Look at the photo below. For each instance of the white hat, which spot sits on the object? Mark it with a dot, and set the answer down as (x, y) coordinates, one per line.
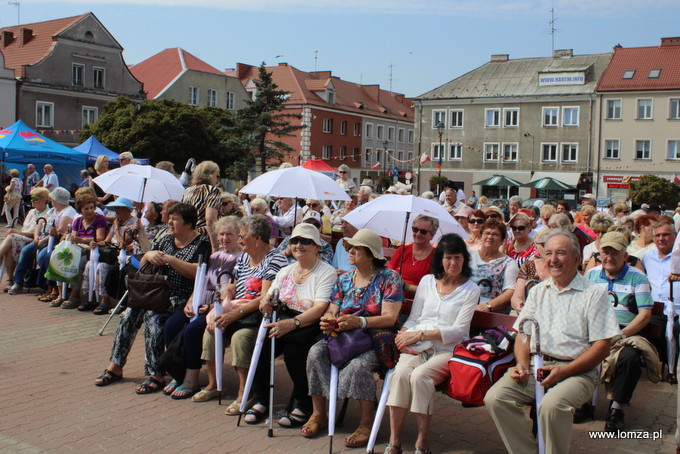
(307, 231)
(368, 239)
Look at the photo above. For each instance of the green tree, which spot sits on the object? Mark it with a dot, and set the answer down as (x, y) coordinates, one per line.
(654, 189)
(165, 130)
(262, 124)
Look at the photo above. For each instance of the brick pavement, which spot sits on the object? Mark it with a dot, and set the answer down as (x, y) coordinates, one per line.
(50, 357)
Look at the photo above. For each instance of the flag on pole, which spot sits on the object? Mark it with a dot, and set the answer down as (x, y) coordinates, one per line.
(377, 166)
(439, 162)
(424, 158)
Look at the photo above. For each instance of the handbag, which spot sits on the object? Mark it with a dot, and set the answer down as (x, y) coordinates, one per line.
(149, 291)
(251, 320)
(109, 254)
(345, 345)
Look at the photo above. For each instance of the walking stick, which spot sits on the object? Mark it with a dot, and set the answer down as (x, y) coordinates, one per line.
(272, 358)
(669, 310)
(540, 391)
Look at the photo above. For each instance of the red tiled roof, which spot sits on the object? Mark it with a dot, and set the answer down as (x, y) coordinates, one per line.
(349, 96)
(38, 47)
(158, 71)
(641, 60)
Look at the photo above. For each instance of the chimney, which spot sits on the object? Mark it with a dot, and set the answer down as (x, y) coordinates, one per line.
(500, 57)
(242, 70)
(26, 35)
(6, 38)
(283, 64)
(675, 41)
(563, 53)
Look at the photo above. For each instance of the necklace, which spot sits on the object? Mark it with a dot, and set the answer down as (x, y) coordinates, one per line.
(359, 291)
(413, 257)
(303, 275)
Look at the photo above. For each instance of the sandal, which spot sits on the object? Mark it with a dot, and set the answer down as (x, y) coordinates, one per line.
(71, 303)
(57, 302)
(102, 309)
(256, 414)
(186, 393)
(234, 409)
(313, 426)
(205, 395)
(423, 451)
(107, 378)
(48, 297)
(392, 449)
(295, 418)
(358, 438)
(170, 388)
(147, 388)
(86, 306)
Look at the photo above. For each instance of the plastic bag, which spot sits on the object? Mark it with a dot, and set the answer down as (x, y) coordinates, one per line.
(64, 263)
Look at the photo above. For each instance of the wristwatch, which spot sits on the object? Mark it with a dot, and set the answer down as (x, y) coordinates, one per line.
(297, 322)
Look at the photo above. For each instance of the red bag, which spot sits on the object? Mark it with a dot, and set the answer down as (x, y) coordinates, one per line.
(478, 363)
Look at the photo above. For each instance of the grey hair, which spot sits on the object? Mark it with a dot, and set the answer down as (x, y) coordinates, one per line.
(125, 155)
(601, 221)
(433, 221)
(561, 221)
(575, 246)
(427, 195)
(257, 225)
(344, 167)
(515, 199)
(231, 222)
(367, 190)
(258, 202)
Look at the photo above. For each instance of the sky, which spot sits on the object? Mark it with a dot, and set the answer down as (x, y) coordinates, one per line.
(412, 45)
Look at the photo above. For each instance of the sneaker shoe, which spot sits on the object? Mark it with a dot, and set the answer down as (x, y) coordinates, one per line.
(582, 414)
(614, 420)
(14, 289)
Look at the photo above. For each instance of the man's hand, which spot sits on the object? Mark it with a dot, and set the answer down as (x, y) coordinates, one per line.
(520, 374)
(556, 375)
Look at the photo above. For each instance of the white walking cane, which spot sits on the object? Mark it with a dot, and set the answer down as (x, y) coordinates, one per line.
(540, 390)
(379, 412)
(219, 339)
(332, 404)
(669, 311)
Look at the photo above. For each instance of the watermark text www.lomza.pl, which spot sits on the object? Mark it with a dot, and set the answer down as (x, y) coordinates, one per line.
(627, 434)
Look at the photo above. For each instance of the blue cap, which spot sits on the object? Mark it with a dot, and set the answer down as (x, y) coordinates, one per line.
(121, 202)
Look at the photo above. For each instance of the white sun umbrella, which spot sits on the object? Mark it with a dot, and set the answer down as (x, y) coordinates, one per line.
(92, 275)
(391, 215)
(538, 387)
(380, 411)
(296, 182)
(141, 184)
(257, 350)
(332, 404)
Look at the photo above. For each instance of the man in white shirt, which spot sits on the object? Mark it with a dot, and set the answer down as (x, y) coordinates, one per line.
(50, 179)
(286, 216)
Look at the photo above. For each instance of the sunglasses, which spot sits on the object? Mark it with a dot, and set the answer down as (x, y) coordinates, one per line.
(302, 241)
(313, 205)
(342, 171)
(224, 204)
(520, 228)
(422, 231)
(493, 216)
(476, 221)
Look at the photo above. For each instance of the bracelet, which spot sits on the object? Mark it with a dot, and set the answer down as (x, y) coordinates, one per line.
(488, 306)
(363, 322)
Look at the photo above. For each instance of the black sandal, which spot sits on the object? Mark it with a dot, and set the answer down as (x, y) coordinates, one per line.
(256, 415)
(146, 388)
(84, 307)
(102, 309)
(295, 418)
(107, 378)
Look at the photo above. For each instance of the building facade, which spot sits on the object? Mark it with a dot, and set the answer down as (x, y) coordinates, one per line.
(8, 95)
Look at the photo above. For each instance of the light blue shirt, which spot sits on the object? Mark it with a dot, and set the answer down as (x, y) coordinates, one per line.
(657, 272)
(341, 258)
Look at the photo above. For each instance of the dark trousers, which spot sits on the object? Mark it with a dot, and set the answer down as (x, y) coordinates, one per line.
(192, 341)
(626, 375)
(295, 347)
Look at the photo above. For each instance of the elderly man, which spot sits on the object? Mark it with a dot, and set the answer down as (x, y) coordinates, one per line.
(450, 201)
(50, 179)
(633, 313)
(657, 261)
(364, 195)
(286, 216)
(125, 158)
(576, 324)
(32, 177)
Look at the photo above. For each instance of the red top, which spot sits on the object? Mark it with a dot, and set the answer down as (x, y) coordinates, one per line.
(412, 270)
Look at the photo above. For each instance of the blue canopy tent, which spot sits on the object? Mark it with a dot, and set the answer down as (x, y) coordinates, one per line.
(94, 148)
(21, 145)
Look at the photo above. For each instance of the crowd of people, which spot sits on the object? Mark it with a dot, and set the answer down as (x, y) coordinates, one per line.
(588, 278)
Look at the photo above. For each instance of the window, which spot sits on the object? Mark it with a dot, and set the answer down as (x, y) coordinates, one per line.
(674, 110)
(194, 95)
(491, 152)
(44, 114)
(331, 97)
(674, 149)
(369, 130)
(569, 152)
(613, 109)
(551, 116)
(438, 116)
(437, 151)
(379, 131)
(378, 156)
(549, 152)
(400, 156)
(327, 125)
(570, 116)
(343, 128)
(98, 74)
(326, 151)
(212, 97)
(90, 115)
(368, 155)
(643, 149)
(410, 136)
(612, 149)
(509, 152)
(629, 74)
(390, 134)
(455, 152)
(492, 118)
(510, 118)
(456, 118)
(231, 100)
(644, 109)
(400, 135)
(343, 153)
(654, 74)
(77, 72)
(357, 129)
(355, 153)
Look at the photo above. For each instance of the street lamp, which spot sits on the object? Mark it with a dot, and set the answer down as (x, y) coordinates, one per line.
(528, 134)
(385, 144)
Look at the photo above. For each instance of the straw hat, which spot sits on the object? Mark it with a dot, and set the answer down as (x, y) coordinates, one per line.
(307, 231)
(367, 239)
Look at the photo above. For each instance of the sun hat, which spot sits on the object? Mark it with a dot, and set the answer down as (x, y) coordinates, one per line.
(368, 239)
(463, 211)
(307, 231)
(60, 195)
(121, 202)
(617, 240)
(495, 209)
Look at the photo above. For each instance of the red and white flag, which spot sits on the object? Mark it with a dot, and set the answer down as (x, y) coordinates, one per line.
(377, 166)
(424, 158)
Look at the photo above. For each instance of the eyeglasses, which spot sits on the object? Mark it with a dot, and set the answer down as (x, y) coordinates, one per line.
(302, 241)
(476, 221)
(342, 171)
(520, 228)
(422, 231)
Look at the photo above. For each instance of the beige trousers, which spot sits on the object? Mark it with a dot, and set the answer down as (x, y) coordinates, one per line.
(414, 380)
(556, 413)
(242, 344)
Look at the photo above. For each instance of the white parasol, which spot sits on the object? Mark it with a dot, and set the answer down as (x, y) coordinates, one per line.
(92, 273)
(539, 389)
(296, 182)
(380, 411)
(332, 403)
(141, 184)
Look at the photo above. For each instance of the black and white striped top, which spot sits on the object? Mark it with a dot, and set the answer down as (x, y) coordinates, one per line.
(249, 280)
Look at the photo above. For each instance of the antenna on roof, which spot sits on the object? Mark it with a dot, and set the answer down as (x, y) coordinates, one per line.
(552, 27)
(17, 3)
(316, 56)
(391, 66)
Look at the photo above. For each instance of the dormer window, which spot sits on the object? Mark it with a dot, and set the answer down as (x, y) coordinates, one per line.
(654, 73)
(331, 97)
(627, 75)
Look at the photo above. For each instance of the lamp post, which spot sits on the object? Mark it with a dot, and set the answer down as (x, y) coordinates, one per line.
(528, 134)
(440, 130)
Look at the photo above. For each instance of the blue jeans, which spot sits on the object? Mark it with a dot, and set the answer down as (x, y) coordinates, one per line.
(26, 261)
(43, 263)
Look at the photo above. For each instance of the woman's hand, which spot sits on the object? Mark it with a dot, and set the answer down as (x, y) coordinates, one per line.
(224, 320)
(280, 328)
(482, 308)
(189, 309)
(266, 304)
(156, 258)
(328, 324)
(406, 338)
(203, 309)
(348, 322)
(210, 321)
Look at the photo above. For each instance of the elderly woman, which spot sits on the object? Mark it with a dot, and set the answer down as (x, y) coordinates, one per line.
(492, 270)
(521, 247)
(533, 269)
(412, 261)
(564, 221)
(223, 260)
(229, 206)
(587, 213)
(206, 197)
(620, 210)
(13, 197)
(305, 288)
(101, 166)
(442, 311)
(475, 221)
(11, 247)
(376, 293)
(600, 224)
(177, 253)
(336, 217)
(345, 182)
(461, 215)
(254, 273)
(260, 206)
(644, 240)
